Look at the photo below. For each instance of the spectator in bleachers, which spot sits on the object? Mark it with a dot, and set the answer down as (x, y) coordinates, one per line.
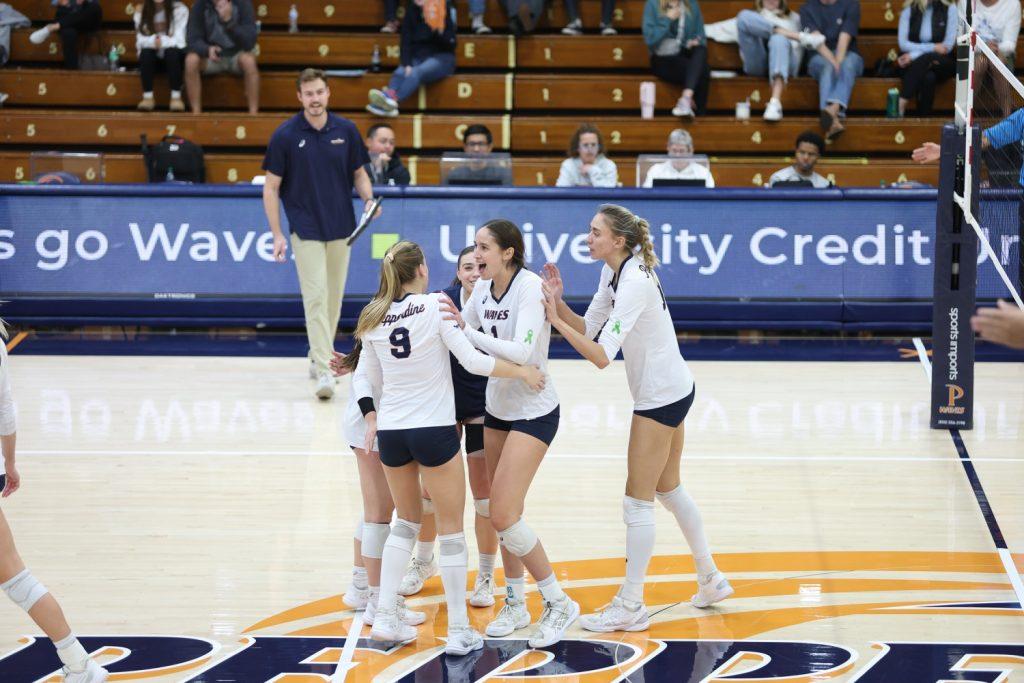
(926, 34)
(385, 167)
(220, 38)
(523, 15)
(73, 19)
(575, 25)
(836, 64)
(998, 24)
(427, 56)
(771, 45)
(478, 143)
(476, 14)
(679, 167)
(391, 22)
(674, 33)
(587, 166)
(160, 39)
(809, 148)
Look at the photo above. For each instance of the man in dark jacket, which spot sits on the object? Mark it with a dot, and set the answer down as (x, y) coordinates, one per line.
(221, 36)
(385, 168)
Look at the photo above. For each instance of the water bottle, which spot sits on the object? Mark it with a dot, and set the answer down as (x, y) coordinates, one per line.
(892, 103)
(113, 57)
(170, 175)
(375, 59)
(293, 20)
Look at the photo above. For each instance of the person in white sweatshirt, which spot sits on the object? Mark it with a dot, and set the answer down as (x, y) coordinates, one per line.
(160, 39)
(998, 23)
(587, 166)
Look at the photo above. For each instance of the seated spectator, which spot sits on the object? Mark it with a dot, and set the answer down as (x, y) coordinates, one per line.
(427, 56)
(809, 148)
(926, 34)
(478, 142)
(836, 65)
(221, 36)
(770, 45)
(391, 22)
(523, 15)
(385, 168)
(674, 33)
(679, 167)
(587, 166)
(998, 24)
(160, 40)
(74, 18)
(575, 25)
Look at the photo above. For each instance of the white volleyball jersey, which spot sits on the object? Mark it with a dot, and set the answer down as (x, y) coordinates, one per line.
(409, 352)
(8, 414)
(353, 425)
(514, 328)
(631, 314)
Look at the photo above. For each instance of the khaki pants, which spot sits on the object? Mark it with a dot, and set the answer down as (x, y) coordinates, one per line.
(322, 268)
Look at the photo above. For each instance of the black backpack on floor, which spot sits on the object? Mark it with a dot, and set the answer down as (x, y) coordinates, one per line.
(175, 158)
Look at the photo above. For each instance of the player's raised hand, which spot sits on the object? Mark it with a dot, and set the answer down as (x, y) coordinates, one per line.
(550, 302)
(553, 279)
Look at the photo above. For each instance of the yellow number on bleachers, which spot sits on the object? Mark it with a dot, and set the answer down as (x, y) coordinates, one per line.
(171, 128)
(102, 130)
(392, 51)
(240, 132)
(756, 137)
(465, 91)
(19, 173)
(902, 178)
(232, 175)
(323, 50)
(545, 95)
(543, 137)
(616, 137)
(261, 10)
(256, 50)
(900, 137)
(400, 12)
(328, 11)
(469, 50)
(129, 9)
(53, 48)
(120, 49)
(111, 89)
(540, 178)
(616, 94)
(831, 177)
(617, 54)
(893, 55)
(90, 173)
(460, 131)
(757, 180)
(30, 130)
(889, 16)
(618, 14)
(755, 96)
(42, 87)
(547, 54)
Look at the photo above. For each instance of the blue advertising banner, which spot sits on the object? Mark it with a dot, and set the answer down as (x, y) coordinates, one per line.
(190, 243)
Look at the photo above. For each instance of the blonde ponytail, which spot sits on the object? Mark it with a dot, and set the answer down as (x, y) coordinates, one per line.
(635, 230)
(3, 329)
(399, 267)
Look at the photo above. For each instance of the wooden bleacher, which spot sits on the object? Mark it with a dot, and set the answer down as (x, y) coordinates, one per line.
(532, 92)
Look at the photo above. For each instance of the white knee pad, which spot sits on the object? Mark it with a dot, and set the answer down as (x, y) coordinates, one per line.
(453, 552)
(483, 506)
(636, 512)
(374, 537)
(24, 589)
(519, 539)
(428, 506)
(358, 535)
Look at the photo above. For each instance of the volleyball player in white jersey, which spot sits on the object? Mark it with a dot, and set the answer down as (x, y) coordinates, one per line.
(406, 343)
(507, 304)
(17, 581)
(629, 312)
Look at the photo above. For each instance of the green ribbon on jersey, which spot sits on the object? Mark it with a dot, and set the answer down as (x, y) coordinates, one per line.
(529, 337)
(617, 327)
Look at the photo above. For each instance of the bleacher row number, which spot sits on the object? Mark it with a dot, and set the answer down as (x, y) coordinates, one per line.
(469, 50)
(102, 130)
(545, 94)
(42, 87)
(19, 173)
(889, 15)
(547, 54)
(617, 54)
(261, 11)
(543, 137)
(328, 11)
(323, 50)
(240, 132)
(256, 50)
(618, 14)
(129, 9)
(616, 94)
(831, 177)
(392, 51)
(893, 55)
(232, 175)
(756, 137)
(53, 48)
(757, 180)
(111, 89)
(30, 130)
(540, 178)
(901, 178)
(900, 138)
(616, 137)
(90, 173)
(755, 96)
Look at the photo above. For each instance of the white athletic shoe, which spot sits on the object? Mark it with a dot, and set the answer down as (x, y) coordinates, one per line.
(409, 616)
(512, 617)
(418, 572)
(94, 673)
(554, 621)
(683, 108)
(462, 640)
(382, 99)
(324, 386)
(715, 589)
(617, 616)
(573, 28)
(356, 598)
(39, 37)
(773, 110)
(389, 628)
(483, 591)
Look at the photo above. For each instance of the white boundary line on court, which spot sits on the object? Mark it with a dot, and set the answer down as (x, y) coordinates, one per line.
(1004, 554)
(347, 652)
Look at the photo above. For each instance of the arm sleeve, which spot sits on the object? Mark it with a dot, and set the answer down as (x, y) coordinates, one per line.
(1011, 30)
(530, 319)
(275, 160)
(630, 300)
(698, 24)
(8, 413)
(243, 27)
(142, 42)
(604, 174)
(358, 155)
(599, 309)
(565, 175)
(656, 27)
(851, 18)
(195, 35)
(951, 24)
(468, 357)
(1007, 131)
(808, 20)
(178, 26)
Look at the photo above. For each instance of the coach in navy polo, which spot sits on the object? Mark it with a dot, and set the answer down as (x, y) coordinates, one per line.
(313, 161)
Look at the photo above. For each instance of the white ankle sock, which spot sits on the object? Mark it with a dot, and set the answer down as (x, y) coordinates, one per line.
(424, 551)
(515, 588)
(550, 590)
(359, 577)
(72, 654)
(487, 563)
(679, 503)
(147, 95)
(394, 560)
(175, 94)
(453, 560)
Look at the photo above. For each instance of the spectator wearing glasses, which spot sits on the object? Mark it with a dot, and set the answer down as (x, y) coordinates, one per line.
(478, 143)
(587, 166)
(679, 166)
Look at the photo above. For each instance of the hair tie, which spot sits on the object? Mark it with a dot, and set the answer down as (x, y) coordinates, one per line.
(638, 248)
(389, 257)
